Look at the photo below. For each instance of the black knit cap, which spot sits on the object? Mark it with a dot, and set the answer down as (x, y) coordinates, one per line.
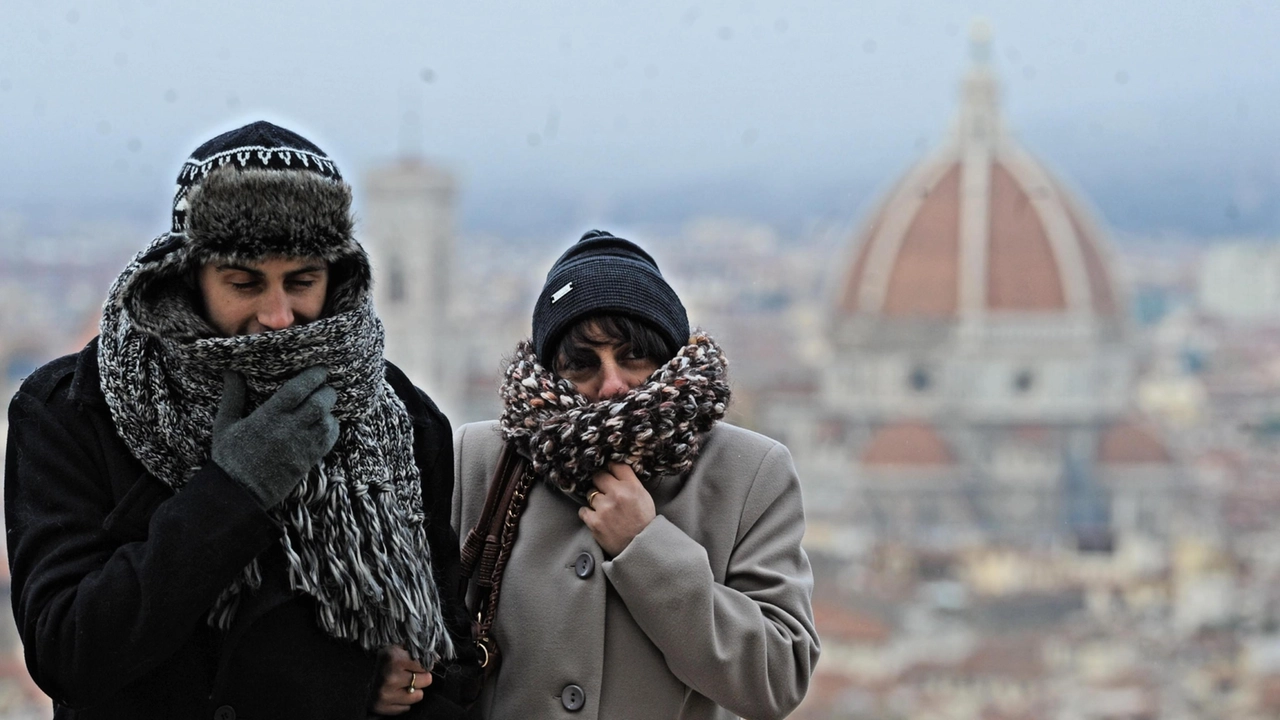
(600, 274)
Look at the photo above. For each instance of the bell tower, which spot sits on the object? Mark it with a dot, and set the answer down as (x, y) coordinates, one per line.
(408, 232)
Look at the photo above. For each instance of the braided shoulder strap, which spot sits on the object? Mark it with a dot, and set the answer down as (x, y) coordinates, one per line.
(488, 545)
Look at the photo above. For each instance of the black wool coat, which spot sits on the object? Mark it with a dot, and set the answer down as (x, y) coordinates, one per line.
(113, 574)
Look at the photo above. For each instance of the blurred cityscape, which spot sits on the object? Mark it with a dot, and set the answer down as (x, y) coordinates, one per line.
(1040, 461)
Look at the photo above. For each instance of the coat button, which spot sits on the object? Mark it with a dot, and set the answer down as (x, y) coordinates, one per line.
(584, 565)
(226, 712)
(573, 697)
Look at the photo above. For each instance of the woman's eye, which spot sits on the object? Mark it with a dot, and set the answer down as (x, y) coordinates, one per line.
(244, 285)
(574, 367)
(632, 356)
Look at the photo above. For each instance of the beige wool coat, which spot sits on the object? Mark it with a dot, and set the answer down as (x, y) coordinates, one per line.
(706, 614)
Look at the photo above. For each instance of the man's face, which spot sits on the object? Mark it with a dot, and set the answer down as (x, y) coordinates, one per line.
(246, 298)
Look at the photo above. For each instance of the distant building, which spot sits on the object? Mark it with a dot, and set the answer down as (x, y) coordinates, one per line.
(981, 374)
(1241, 281)
(408, 232)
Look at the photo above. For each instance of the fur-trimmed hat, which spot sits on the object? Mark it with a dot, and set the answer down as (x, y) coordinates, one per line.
(254, 192)
(602, 273)
(261, 190)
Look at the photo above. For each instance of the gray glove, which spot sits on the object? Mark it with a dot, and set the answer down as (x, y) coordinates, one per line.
(272, 450)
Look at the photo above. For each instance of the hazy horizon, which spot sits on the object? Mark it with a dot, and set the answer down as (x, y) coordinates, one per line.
(559, 115)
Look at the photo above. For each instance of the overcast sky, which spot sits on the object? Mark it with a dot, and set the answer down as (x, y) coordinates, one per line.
(557, 113)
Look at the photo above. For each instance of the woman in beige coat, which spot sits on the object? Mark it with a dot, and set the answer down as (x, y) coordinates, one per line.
(656, 568)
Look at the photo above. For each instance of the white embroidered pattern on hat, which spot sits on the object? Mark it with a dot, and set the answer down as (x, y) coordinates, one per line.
(194, 170)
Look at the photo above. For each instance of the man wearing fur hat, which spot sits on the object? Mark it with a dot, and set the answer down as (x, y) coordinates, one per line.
(229, 504)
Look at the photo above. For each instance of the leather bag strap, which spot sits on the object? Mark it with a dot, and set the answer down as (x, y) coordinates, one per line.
(488, 544)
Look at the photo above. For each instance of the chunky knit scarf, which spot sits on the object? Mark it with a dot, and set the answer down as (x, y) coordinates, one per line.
(657, 428)
(352, 532)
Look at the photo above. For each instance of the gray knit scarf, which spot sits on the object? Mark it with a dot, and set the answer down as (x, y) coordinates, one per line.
(657, 428)
(352, 532)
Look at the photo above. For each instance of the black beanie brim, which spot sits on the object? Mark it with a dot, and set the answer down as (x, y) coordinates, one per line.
(604, 274)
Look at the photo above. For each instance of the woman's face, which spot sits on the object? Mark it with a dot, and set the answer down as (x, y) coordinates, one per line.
(604, 368)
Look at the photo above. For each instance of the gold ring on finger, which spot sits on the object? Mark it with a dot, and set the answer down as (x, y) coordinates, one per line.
(413, 680)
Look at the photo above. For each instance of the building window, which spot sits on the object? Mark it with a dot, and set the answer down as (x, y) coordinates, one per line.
(919, 380)
(395, 281)
(1023, 381)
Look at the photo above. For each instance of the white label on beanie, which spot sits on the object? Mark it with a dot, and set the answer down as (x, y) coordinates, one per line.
(561, 292)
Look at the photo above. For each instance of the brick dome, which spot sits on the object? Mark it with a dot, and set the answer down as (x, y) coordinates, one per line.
(979, 228)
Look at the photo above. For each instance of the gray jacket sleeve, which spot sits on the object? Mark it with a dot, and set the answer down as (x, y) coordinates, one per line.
(748, 643)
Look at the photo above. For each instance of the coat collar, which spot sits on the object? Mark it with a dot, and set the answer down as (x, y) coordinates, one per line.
(86, 386)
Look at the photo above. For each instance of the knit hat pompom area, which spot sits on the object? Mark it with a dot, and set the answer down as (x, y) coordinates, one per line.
(602, 273)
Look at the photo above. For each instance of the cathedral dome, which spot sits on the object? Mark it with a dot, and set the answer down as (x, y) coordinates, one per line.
(980, 228)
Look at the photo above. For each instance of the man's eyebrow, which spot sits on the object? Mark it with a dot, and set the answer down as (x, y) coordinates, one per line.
(231, 267)
(228, 267)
